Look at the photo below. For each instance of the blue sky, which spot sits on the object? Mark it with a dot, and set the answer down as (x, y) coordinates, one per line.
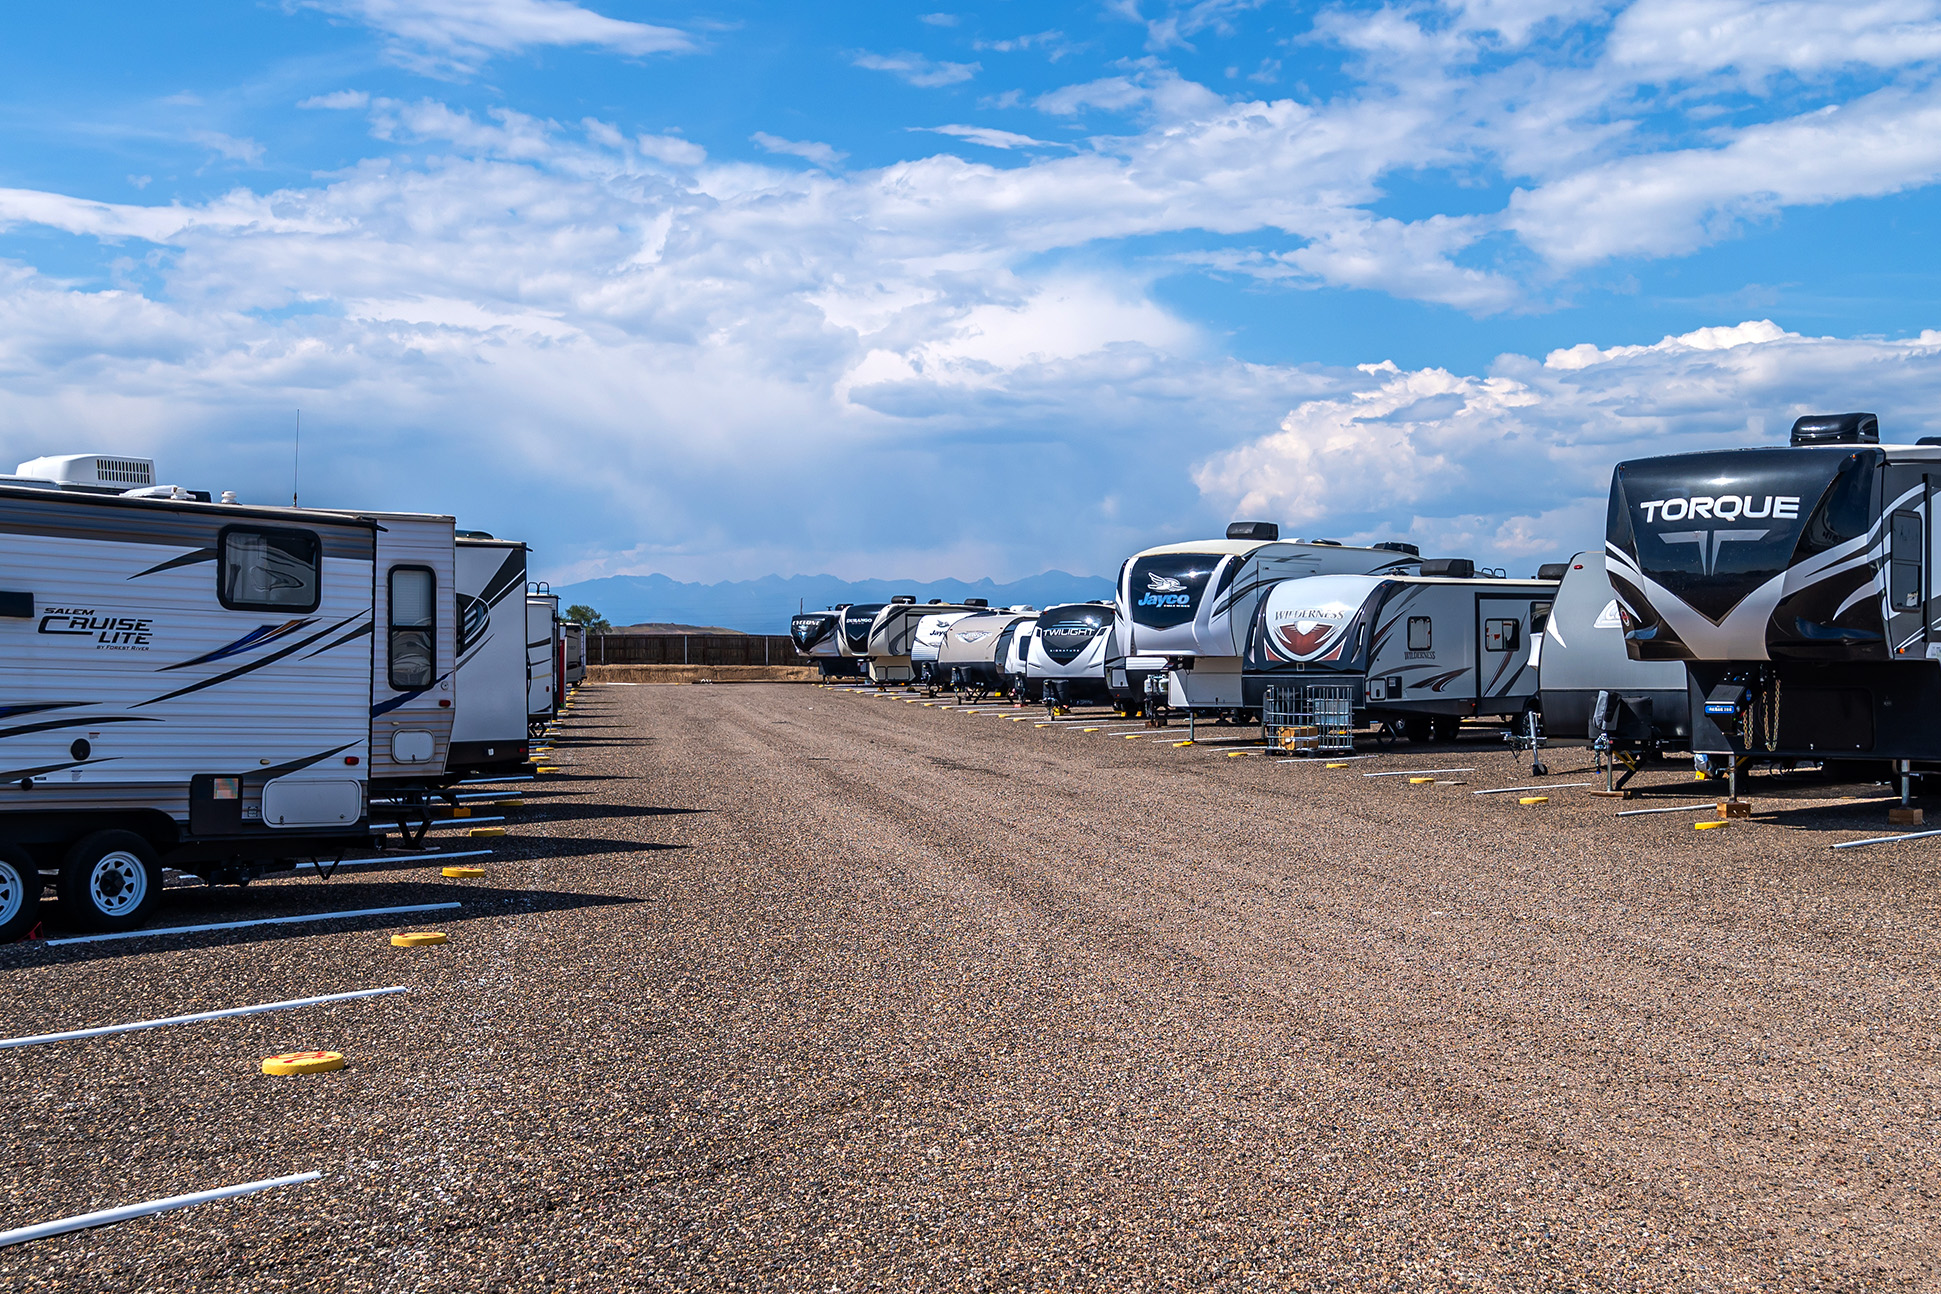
(720, 291)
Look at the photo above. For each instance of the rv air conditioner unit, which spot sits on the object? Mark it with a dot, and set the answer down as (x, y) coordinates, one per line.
(98, 471)
(1553, 570)
(977, 602)
(1450, 568)
(1835, 429)
(902, 598)
(1396, 546)
(1266, 531)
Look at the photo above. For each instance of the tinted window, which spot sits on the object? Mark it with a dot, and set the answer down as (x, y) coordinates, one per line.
(269, 570)
(1165, 590)
(1067, 631)
(1421, 634)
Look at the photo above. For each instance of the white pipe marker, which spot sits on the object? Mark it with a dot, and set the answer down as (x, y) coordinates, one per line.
(103, 1217)
(72, 1034)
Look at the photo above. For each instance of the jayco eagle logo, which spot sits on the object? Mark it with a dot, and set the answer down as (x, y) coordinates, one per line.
(1165, 591)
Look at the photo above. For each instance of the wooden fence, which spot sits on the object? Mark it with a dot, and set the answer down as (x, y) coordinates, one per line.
(692, 649)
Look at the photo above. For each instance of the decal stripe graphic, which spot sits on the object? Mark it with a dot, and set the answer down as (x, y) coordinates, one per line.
(250, 668)
(254, 638)
(80, 721)
(186, 559)
(362, 631)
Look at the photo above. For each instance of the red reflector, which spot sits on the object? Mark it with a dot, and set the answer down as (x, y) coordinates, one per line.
(444, 703)
(350, 759)
(1578, 567)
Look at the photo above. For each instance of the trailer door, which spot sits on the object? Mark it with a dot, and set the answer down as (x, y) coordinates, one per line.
(1503, 673)
(1906, 589)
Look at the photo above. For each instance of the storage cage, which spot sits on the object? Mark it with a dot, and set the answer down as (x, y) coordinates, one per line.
(1309, 718)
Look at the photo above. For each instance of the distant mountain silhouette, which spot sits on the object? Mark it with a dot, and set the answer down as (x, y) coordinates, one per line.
(764, 606)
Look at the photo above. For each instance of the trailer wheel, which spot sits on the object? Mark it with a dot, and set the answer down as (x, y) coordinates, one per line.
(19, 893)
(109, 881)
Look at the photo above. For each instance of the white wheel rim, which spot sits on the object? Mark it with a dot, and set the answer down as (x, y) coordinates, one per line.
(13, 892)
(118, 883)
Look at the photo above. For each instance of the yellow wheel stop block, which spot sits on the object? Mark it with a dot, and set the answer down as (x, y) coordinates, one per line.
(545, 768)
(1534, 799)
(462, 873)
(1178, 744)
(1337, 766)
(462, 811)
(418, 939)
(304, 1062)
(1132, 736)
(1235, 754)
(1418, 781)
(486, 833)
(1706, 826)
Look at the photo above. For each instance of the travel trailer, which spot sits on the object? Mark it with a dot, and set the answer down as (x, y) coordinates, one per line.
(489, 723)
(1066, 655)
(1193, 603)
(1014, 676)
(928, 641)
(543, 661)
(1588, 684)
(1798, 585)
(968, 661)
(204, 685)
(818, 635)
(892, 635)
(1423, 652)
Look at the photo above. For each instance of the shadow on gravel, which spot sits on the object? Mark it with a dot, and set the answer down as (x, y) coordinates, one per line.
(534, 848)
(478, 902)
(575, 812)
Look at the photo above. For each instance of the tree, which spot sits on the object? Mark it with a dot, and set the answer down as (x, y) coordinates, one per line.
(595, 623)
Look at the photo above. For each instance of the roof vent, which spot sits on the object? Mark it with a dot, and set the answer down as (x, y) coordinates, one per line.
(101, 471)
(903, 599)
(1828, 429)
(1261, 530)
(1397, 546)
(461, 534)
(1331, 543)
(1450, 568)
(1552, 570)
(977, 602)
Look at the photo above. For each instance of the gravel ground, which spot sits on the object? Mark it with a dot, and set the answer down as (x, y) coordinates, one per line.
(792, 988)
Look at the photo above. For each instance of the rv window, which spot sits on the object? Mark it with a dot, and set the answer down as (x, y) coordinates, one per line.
(1904, 587)
(1539, 617)
(1501, 635)
(412, 627)
(1421, 637)
(268, 570)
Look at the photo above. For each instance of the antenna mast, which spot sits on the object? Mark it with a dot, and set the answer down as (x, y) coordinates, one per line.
(296, 459)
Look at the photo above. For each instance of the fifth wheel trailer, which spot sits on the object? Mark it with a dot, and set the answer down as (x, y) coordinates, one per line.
(542, 657)
(893, 631)
(1583, 659)
(1066, 657)
(970, 661)
(1798, 586)
(1193, 603)
(1423, 651)
(193, 684)
(818, 636)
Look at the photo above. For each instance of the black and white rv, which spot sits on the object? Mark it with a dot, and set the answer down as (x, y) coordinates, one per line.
(975, 649)
(206, 686)
(1797, 584)
(928, 641)
(893, 631)
(1066, 655)
(852, 631)
(1194, 603)
(543, 683)
(818, 635)
(489, 728)
(1423, 652)
(1582, 658)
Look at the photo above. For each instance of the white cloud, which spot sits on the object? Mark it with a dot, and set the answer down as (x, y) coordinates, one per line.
(916, 69)
(229, 147)
(821, 154)
(1516, 462)
(338, 100)
(1669, 39)
(939, 19)
(989, 137)
(460, 35)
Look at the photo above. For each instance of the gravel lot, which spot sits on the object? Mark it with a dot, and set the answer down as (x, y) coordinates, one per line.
(783, 987)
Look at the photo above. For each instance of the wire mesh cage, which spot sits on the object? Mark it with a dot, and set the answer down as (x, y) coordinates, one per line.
(1309, 718)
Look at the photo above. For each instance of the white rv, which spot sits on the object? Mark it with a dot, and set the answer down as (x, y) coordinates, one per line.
(970, 661)
(1423, 651)
(573, 648)
(542, 657)
(1590, 685)
(893, 633)
(1014, 674)
(1066, 655)
(818, 636)
(928, 641)
(1193, 603)
(489, 730)
(204, 685)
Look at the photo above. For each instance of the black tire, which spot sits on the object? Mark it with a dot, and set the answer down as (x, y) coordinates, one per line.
(19, 893)
(1539, 769)
(1444, 727)
(1417, 728)
(109, 881)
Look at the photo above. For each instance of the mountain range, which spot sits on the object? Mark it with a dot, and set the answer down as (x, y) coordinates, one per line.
(764, 605)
